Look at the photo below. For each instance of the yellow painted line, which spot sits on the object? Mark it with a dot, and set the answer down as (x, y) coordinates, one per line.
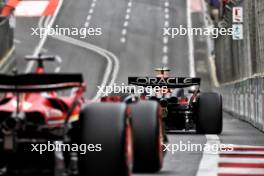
(6, 58)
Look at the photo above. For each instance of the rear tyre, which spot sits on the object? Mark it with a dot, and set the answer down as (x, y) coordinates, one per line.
(106, 124)
(210, 115)
(148, 136)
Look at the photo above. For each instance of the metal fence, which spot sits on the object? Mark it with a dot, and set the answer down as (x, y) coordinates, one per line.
(240, 65)
(245, 100)
(237, 59)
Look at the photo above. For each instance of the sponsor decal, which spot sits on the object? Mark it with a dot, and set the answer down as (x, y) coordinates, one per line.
(237, 17)
(238, 32)
(237, 14)
(159, 81)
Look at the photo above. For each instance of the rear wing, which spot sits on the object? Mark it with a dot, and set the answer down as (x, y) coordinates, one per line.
(170, 82)
(39, 82)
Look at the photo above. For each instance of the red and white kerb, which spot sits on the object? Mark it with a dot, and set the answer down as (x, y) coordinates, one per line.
(31, 8)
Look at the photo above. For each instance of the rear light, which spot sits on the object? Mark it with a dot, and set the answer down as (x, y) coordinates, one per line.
(183, 101)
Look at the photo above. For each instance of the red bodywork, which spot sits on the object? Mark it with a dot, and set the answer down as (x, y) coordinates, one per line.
(51, 107)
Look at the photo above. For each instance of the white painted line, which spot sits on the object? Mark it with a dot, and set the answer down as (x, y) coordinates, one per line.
(123, 40)
(89, 17)
(125, 23)
(129, 4)
(91, 11)
(127, 17)
(58, 59)
(47, 20)
(166, 10)
(166, 24)
(190, 42)
(166, 4)
(43, 40)
(167, 16)
(124, 31)
(93, 4)
(248, 171)
(165, 40)
(57, 70)
(165, 60)
(128, 10)
(40, 22)
(165, 49)
(86, 24)
(209, 162)
(240, 160)
(109, 56)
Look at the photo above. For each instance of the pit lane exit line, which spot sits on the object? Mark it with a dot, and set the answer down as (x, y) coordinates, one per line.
(165, 57)
(90, 14)
(126, 22)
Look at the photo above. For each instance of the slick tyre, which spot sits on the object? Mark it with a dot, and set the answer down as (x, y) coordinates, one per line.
(148, 136)
(107, 125)
(210, 115)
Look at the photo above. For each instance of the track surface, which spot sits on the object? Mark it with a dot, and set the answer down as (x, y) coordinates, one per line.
(139, 50)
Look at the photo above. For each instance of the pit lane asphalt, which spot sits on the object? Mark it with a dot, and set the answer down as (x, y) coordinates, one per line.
(141, 52)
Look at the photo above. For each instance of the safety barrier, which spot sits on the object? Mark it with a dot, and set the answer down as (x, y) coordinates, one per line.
(6, 36)
(245, 99)
(240, 63)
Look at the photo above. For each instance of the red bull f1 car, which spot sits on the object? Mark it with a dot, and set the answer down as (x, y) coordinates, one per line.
(37, 112)
(183, 109)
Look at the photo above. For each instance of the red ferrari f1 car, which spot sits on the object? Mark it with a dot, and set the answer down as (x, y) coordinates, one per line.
(47, 130)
